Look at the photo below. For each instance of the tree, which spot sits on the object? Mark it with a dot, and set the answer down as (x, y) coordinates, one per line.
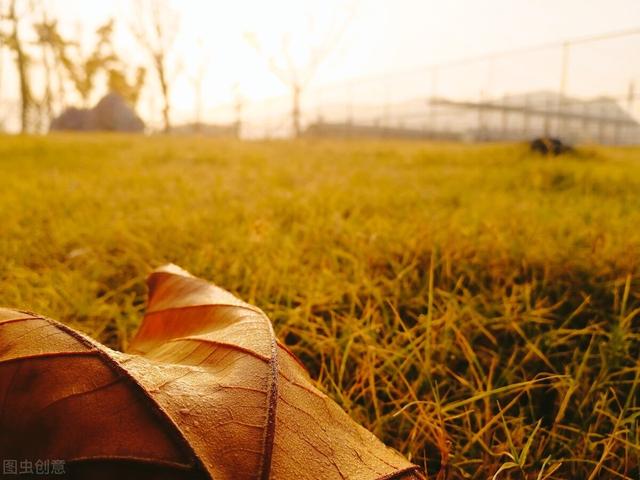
(116, 69)
(54, 52)
(83, 73)
(238, 107)
(155, 31)
(296, 75)
(14, 42)
(47, 101)
(197, 80)
(118, 82)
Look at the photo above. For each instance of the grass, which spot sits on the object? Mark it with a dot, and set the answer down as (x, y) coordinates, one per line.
(477, 307)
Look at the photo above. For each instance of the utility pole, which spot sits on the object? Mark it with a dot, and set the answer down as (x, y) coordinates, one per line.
(630, 101)
(434, 95)
(564, 72)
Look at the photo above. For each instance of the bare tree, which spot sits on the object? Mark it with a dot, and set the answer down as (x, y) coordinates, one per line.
(14, 42)
(297, 75)
(155, 30)
(238, 107)
(197, 81)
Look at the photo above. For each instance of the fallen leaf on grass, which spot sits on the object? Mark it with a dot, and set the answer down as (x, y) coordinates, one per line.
(205, 391)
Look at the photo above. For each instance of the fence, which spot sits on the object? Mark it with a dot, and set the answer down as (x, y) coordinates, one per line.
(583, 90)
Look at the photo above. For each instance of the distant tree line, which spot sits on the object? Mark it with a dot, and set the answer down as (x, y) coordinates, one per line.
(66, 65)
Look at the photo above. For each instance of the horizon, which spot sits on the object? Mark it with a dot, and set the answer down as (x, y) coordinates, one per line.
(415, 35)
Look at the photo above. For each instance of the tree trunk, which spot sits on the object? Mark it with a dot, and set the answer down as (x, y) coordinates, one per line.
(238, 122)
(21, 64)
(48, 94)
(164, 88)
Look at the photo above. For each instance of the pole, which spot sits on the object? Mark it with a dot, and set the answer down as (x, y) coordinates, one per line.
(562, 93)
(434, 94)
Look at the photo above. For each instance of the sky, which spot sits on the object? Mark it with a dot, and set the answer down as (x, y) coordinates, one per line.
(367, 37)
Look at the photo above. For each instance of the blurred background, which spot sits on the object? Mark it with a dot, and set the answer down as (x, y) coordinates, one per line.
(460, 70)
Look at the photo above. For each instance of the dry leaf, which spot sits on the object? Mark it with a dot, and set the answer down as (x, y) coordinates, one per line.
(205, 391)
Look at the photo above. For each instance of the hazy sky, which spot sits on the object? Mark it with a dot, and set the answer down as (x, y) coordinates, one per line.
(381, 35)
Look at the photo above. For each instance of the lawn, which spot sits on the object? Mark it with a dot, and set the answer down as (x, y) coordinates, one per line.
(472, 305)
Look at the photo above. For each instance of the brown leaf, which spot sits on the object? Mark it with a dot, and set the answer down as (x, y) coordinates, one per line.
(206, 391)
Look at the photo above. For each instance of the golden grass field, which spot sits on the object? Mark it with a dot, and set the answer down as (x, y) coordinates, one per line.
(475, 306)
